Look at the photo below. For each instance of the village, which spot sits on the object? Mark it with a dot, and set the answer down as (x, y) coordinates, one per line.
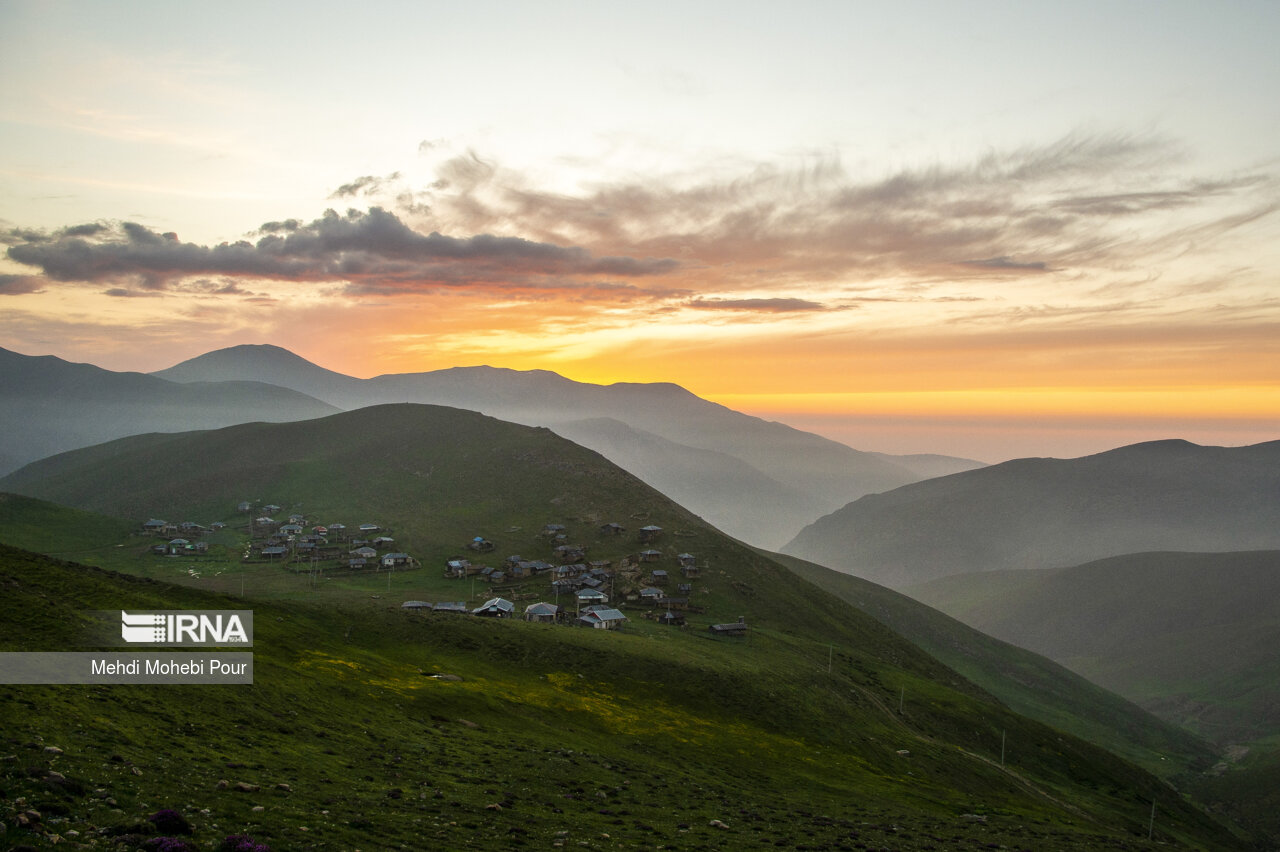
(580, 591)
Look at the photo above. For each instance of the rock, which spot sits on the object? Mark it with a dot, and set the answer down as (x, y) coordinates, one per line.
(54, 750)
(257, 809)
(246, 787)
(284, 787)
(135, 770)
(715, 823)
(466, 724)
(222, 785)
(494, 807)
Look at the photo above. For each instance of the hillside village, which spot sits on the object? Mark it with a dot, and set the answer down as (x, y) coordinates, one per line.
(653, 583)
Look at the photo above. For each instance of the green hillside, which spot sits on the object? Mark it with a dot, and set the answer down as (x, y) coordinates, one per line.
(1190, 636)
(1027, 682)
(543, 736)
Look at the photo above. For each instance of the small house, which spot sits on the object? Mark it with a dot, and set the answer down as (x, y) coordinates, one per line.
(365, 552)
(450, 606)
(658, 577)
(672, 619)
(415, 605)
(545, 613)
(396, 560)
(495, 608)
(650, 533)
(275, 551)
(650, 594)
(457, 567)
(591, 596)
(602, 619)
(736, 628)
(154, 526)
(612, 529)
(567, 553)
(480, 544)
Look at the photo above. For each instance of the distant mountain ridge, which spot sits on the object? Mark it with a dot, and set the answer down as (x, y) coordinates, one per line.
(1047, 513)
(48, 405)
(778, 478)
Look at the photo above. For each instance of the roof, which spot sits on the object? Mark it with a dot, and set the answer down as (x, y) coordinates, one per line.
(415, 605)
(498, 604)
(450, 606)
(541, 608)
(602, 614)
(593, 594)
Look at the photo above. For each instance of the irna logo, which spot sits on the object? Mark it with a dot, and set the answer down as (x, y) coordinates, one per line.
(188, 627)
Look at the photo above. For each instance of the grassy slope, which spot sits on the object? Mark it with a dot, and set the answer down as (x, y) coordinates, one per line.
(1028, 683)
(759, 727)
(1191, 636)
(618, 740)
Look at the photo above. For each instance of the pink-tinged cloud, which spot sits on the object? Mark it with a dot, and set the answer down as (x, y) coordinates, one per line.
(369, 251)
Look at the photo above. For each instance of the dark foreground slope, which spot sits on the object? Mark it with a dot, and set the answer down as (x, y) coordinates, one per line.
(1045, 513)
(540, 736)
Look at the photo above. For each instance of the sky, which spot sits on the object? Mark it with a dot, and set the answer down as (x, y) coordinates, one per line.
(985, 229)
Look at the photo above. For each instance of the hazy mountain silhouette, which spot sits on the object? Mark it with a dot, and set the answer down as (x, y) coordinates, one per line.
(797, 475)
(1192, 637)
(1042, 513)
(48, 405)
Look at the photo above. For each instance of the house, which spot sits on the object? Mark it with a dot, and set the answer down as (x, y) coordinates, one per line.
(498, 577)
(154, 526)
(602, 618)
(244, 507)
(650, 594)
(396, 560)
(457, 567)
(383, 541)
(298, 519)
(591, 596)
(686, 559)
(650, 555)
(274, 552)
(480, 544)
(690, 571)
(612, 529)
(685, 588)
(191, 527)
(178, 545)
(673, 619)
(450, 606)
(338, 531)
(217, 525)
(736, 628)
(495, 608)
(358, 563)
(545, 613)
(567, 553)
(650, 533)
(673, 603)
(365, 553)
(271, 508)
(415, 605)
(658, 577)
(291, 529)
(552, 530)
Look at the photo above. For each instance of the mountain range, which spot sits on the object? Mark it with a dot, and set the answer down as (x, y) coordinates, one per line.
(1046, 513)
(755, 479)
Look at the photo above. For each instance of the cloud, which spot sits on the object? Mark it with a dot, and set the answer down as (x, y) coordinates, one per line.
(18, 285)
(367, 185)
(1081, 203)
(1006, 264)
(369, 251)
(775, 305)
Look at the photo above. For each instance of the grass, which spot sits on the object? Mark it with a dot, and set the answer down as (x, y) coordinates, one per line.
(573, 734)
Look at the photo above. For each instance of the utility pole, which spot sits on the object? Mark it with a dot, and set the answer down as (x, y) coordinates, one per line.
(1002, 749)
(830, 653)
(1151, 826)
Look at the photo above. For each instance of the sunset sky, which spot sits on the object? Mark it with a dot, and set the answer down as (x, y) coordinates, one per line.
(988, 229)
